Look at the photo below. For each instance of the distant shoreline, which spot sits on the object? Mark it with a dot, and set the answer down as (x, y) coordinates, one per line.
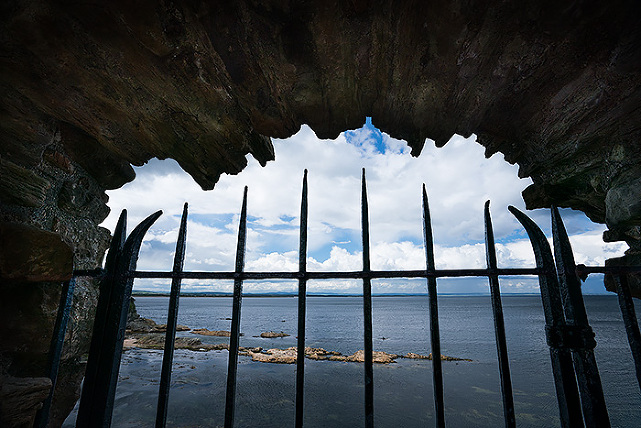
(191, 294)
(206, 294)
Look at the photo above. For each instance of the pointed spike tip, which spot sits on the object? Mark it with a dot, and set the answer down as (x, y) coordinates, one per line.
(555, 216)
(122, 222)
(487, 204)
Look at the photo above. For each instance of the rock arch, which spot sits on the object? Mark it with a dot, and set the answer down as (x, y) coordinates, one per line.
(89, 90)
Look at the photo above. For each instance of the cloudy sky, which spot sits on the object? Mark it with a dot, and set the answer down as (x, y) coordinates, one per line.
(458, 178)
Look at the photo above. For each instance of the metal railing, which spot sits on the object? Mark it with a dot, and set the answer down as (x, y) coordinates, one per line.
(569, 336)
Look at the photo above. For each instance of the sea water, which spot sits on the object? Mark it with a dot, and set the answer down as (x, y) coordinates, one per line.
(334, 391)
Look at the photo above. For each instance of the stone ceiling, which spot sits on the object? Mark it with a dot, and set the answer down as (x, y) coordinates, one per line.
(554, 87)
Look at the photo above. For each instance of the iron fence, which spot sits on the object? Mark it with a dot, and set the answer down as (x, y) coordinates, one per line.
(569, 336)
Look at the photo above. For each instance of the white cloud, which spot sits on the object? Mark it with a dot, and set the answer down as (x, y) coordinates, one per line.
(458, 178)
(276, 262)
(589, 248)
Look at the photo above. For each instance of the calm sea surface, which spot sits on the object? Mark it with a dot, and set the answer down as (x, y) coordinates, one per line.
(403, 391)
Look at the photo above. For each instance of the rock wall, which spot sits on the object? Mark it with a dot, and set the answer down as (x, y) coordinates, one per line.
(49, 219)
(90, 88)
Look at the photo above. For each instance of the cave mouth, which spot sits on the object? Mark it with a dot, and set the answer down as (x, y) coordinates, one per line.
(459, 180)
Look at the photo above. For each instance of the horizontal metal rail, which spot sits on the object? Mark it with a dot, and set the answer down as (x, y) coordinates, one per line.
(453, 273)
(374, 274)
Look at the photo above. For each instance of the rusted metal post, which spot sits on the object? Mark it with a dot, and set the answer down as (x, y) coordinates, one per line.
(579, 336)
(102, 309)
(367, 311)
(172, 320)
(435, 335)
(630, 321)
(499, 324)
(567, 393)
(302, 297)
(232, 368)
(101, 377)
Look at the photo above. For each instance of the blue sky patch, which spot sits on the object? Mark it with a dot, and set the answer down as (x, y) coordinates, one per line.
(218, 221)
(367, 138)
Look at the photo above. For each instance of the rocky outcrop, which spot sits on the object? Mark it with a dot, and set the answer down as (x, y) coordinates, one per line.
(273, 355)
(205, 332)
(320, 353)
(89, 89)
(157, 341)
(145, 325)
(273, 334)
(414, 356)
(277, 356)
(289, 356)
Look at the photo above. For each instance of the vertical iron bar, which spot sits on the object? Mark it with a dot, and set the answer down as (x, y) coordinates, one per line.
(128, 263)
(630, 320)
(172, 319)
(435, 335)
(107, 286)
(595, 411)
(499, 324)
(567, 393)
(55, 350)
(302, 297)
(367, 311)
(117, 324)
(96, 404)
(232, 368)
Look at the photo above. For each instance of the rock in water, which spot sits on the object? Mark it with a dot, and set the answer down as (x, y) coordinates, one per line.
(278, 356)
(205, 332)
(271, 334)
